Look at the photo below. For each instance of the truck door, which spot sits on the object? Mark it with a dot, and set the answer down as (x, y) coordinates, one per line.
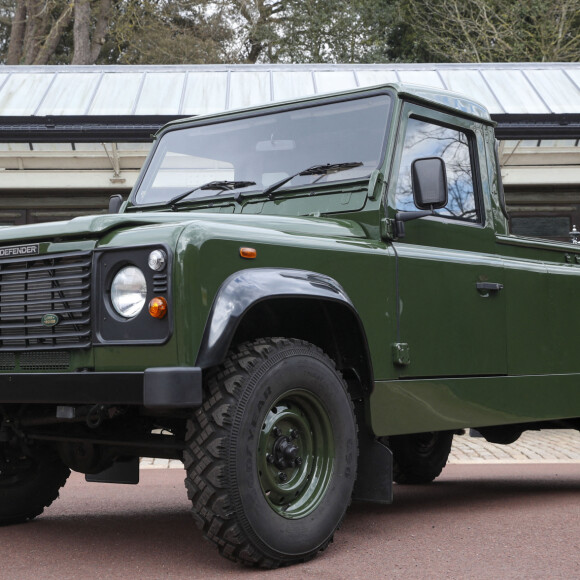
(451, 319)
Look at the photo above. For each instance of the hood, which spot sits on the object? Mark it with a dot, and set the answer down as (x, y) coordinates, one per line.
(96, 226)
(85, 226)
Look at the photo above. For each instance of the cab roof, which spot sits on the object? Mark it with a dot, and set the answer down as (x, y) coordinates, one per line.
(449, 100)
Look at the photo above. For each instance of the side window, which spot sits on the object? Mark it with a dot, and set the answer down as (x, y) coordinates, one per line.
(424, 139)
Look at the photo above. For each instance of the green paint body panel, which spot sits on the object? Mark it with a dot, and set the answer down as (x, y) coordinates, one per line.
(442, 404)
(467, 356)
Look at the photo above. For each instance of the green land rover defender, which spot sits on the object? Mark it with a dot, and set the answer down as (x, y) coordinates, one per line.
(303, 301)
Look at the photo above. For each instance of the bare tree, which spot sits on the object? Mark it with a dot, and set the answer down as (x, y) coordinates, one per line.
(250, 31)
(261, 16)
(496, 30)
(91, 22)
(38, 27)
(16, 44)
(171, 32)
(308, 30)
(50, 35)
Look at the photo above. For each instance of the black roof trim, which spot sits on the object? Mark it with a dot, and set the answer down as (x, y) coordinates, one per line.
(80, 129)
(528, 126)
(141, 128)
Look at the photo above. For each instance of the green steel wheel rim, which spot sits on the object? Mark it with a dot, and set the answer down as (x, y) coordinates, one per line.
(295, 454)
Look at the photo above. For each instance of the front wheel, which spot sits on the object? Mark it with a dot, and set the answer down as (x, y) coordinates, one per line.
(271, 456)
(28, 484)
(420, 458)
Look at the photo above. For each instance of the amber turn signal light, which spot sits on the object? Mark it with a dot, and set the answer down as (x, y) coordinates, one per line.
(248, 253)
(158, 307)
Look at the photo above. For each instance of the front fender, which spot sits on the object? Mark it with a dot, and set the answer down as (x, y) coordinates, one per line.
(244, 289)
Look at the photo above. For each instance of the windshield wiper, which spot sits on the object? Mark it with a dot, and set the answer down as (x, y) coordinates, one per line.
(219, 185)
(326, 169)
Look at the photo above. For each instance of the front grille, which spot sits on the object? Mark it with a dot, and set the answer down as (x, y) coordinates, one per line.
(40, 360)
(31, 288)
(7, 361)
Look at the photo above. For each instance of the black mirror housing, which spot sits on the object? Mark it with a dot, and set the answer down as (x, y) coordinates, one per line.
(429, 179)
(115, 203)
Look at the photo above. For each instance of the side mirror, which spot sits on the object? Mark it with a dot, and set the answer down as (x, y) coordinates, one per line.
(429, 183)
(115, 203)
(429, 179)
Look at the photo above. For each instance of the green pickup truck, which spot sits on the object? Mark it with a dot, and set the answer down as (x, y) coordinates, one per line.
(303, 301)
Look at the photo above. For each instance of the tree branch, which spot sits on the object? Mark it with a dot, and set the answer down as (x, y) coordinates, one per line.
(49, 46)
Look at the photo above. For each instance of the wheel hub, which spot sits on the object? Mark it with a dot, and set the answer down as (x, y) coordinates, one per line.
(285, 453)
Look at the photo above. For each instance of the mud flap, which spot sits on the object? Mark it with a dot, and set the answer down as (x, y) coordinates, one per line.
(122, 471)
(374, 481)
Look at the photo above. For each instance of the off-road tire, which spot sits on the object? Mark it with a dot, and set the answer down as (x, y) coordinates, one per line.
(419, 458)
(272, 400)
(28, 484)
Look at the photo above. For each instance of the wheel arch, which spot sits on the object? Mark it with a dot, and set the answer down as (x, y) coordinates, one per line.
(299, 304)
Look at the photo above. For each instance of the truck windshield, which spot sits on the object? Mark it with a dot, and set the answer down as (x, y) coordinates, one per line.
(267, 149)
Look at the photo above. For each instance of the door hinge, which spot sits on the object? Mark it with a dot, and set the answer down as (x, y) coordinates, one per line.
(401, 354)
(388, 229)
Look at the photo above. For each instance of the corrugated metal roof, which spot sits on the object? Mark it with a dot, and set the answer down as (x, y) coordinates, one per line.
(534, 88)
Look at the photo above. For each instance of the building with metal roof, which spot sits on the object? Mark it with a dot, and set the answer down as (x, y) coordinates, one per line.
(127, 101)
(69, 135)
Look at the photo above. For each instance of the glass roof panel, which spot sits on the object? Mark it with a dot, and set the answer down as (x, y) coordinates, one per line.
(134, 146)
(565, 143)
(528, 88)
(69, 94)
(428, 78)
(3, 78)
(205, 92)
(14, 147)
(92, 146)
(292, 84)
(130, 147)
(23, 92)
(52, 147)
(367, 78)
(337, 80)
(161, 94)
(249, 88)
(116, 94)
(574, 74)
(514, 92)
(471, 84)
(556, 89)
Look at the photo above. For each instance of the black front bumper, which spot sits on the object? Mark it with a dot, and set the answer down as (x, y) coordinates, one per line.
(163, 388)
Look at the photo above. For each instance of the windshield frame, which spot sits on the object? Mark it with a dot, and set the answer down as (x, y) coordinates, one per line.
(256, 112)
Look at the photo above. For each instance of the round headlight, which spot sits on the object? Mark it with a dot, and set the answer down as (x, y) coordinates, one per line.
(129, 291)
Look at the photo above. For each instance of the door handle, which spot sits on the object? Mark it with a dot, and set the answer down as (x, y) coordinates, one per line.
(489, 286)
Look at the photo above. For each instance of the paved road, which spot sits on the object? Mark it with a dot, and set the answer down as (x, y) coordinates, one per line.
(480, 521)
(547, 446)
